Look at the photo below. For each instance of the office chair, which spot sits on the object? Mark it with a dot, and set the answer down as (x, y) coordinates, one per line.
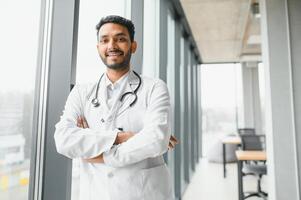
(246, 131)
(251, 143)
(257, 170)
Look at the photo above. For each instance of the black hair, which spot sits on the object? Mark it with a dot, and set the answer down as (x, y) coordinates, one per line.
(117, 20)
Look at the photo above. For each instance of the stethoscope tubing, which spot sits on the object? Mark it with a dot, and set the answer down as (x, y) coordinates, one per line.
(96, 102)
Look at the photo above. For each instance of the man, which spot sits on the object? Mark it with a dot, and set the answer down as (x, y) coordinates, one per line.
(119, 127)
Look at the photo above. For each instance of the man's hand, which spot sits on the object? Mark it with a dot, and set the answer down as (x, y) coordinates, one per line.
(123, 137)
(172, 142)
(97, 159)
(81, 122)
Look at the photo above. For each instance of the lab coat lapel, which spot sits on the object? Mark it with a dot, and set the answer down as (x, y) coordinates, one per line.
(103, 96)
(131, 85)
(98, 115)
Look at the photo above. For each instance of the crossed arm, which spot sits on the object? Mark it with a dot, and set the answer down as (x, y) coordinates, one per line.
(74, 138)
(122, 136)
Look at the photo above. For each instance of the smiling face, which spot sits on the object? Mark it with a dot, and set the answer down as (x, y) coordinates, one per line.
(114, 46)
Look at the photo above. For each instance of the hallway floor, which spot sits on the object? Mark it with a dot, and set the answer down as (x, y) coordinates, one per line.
(208, 183)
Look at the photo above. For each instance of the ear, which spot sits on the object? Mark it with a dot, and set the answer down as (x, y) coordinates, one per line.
(133, 46)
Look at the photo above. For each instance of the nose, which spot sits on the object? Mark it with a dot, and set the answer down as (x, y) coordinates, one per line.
(112, 44)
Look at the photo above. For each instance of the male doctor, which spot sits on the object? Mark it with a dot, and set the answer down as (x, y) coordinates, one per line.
(118, 127)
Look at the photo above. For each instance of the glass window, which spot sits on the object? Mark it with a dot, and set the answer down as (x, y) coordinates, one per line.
(150, 39)
(219, 102)
(89, 65)
(19, 50)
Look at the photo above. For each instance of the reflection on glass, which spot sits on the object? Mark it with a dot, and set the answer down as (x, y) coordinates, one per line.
(18, 50)
(89, 65)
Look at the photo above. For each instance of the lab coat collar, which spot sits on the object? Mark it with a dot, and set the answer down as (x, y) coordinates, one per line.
(128, 77)
(133, 79)
(118, 83)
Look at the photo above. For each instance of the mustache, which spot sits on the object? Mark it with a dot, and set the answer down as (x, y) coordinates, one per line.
(114, 51)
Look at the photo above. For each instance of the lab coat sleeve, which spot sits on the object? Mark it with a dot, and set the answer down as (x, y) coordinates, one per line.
(75, 142)
(153, 139)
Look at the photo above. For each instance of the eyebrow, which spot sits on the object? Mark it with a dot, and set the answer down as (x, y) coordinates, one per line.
(118, 34)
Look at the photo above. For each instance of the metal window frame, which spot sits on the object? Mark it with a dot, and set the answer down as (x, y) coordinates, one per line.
(186, 132)
(137, 13)
(179, 177)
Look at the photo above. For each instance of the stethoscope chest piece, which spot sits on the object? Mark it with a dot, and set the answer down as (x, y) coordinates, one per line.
(95, 102)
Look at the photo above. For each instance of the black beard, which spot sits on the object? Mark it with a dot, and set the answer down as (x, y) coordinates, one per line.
(119, 66)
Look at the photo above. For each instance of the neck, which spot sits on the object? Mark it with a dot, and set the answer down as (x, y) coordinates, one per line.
(114, 74)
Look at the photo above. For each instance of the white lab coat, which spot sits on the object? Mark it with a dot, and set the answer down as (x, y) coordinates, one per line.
(133, 170)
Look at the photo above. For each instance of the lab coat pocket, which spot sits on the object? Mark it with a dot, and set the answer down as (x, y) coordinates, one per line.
(157, 183)
(125, 185)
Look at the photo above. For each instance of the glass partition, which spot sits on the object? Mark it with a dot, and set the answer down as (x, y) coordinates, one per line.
(19, 50)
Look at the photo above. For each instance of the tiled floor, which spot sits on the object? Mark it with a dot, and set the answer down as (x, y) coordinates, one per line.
(208, 183)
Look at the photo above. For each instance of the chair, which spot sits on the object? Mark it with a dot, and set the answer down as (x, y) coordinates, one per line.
(246, 131)
(258, 170)
(254, 142)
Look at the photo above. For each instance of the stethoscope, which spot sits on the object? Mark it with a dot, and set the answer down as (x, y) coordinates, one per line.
(95, 100)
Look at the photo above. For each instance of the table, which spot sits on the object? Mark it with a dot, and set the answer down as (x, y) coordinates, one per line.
(246, 156)
(228, 140)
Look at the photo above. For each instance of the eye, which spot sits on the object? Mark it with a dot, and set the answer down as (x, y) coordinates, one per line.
(122, 39)
(104, 40)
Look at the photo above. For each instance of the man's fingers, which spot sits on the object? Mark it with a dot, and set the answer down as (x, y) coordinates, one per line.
(78, 123)
(81, 122)
(171, 145)
(174, 139)
(85, 123)
(172, 142)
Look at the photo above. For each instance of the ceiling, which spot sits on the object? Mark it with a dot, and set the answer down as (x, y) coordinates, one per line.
(224, 30)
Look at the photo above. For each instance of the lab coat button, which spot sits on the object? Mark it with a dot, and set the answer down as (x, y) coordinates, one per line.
(102, 120)
(110, 175)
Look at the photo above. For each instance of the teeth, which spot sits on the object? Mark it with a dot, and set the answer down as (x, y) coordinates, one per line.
(113, 54)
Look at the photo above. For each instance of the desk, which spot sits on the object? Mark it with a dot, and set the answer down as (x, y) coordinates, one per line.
(246, 156)
(228, 140)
